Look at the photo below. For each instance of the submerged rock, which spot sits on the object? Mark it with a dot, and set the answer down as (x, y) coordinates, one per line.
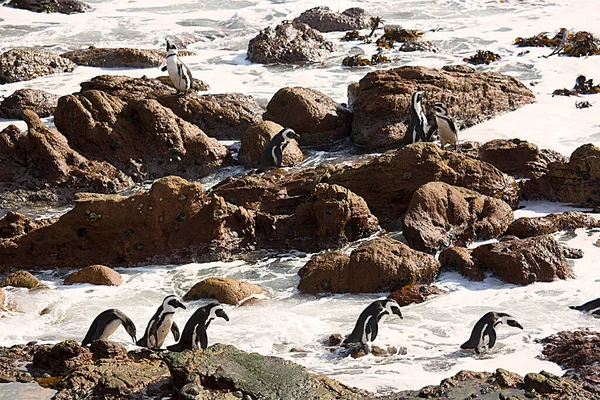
(324, 19)
(548, 224)
(51, 6)
(39, 101)
(25, 64)
(119, 57)
(255, 140)
(96, 275)
(224, 290)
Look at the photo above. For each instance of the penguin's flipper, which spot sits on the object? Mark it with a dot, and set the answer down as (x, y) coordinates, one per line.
(163, 69)
(175, 331)
(421, 135)
(91, 334)
(201, 337)
(152, 339)
(491, 332)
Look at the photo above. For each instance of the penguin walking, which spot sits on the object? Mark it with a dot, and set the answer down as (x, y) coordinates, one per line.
(194, 334)
(161, 323)
(106, 323)
(417, 126)
(591, 307)
(366, 328)
(486, 327)
(446, 128)
(273, 154)
(180, 74)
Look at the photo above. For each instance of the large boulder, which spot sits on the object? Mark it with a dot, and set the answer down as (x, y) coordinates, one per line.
(461, 260)
(324, 19)
(573, 349)
(288, 43)
(548, 224)
(524, 261)
(379, 265)
(118, 57)
(39, 101)
(51, 6)
(256, 138)
(381, 100)
(22, 279)
(96, 275)
(316, 117)
(440, 215)
(224, 290)
(18, 65)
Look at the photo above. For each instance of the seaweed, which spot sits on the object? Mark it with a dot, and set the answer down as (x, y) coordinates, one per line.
(583, 104)
(482, 57)
(355, 35)
(352, 36)
(358, 61)
(565, 43)
(397, 35)
(582, 86)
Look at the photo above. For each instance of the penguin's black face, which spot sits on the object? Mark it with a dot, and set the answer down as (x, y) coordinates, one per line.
(440, 108)
(175, 303)
(171, 46)
(221, 313)
(513, 322)
(417, 98)
(393, 308)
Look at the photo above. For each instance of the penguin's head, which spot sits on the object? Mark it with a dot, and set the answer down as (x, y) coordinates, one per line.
(514, 323)
(440, 108)
(289, 134)
(508, 320)
(579, 82)
(417, 98)
(393, 308)
(171, 303)
(171, 48)
(130, 328)
(218, 311)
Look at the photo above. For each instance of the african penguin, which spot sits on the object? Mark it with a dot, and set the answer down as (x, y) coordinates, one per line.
(106, 323)
(180, 74)
(417, 126)
(486, 327)
(161, 323)
(446, 129)
(194, 333)
(366, 328)
(592, 307)
(273, 154)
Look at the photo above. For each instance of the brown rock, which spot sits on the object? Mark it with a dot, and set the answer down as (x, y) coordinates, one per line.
(224, 290)
(324, 19)
(255, 140)
(381, 100)
(440, 215)
(415, 294)
(15, 224)
(197, 85)
(51, 6)
(379, 265)
(288, 43)
(316, 117)
(2, 298)
(536, 226)
(96, 275)
(39, 101)
(21, 279)
(460, 259)
(118, 57)
(18, 65)
(61, 358)
(572, 349)
(524, 261)
(105, 349)
(334, 340)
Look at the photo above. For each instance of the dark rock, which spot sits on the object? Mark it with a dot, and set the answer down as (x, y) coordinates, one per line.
(18, 65)
(104, 349)
(415, 294)
(224, 290)
(316, 117)
(51, 6)
(11, 360)
(39, 101)
(62, 358)
(288, 43)
(118, 57)
(255, 140)
(440, 215)
(572, 349)
(334, 340)
(96, 275)
(460, 259)
(16, 224)
(379, 265)
(381, 100)
(543, 383)
(325, 20)
(535, 226)
(572, 253)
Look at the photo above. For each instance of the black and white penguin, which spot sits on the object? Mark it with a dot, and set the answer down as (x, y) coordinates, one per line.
(447, 130)
(194, 334)
(486, 327)
(180, 74)
(366, 328)
(273, 154)
(591, 307)
(161, 323)
(106, 323)
(417, 127)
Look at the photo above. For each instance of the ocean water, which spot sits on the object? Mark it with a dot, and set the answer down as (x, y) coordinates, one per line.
(430, 332)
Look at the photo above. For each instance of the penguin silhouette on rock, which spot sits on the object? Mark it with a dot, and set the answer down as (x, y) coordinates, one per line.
(272, 156)
(194, 334)
(367, 326)
(106, 323)
(484, 331)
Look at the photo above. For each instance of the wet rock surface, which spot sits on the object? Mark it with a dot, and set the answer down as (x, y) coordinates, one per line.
(51, 6)
(39, 101)
(460, 259)
(256, 138)
(96, 275)
(18, 65)
(536, 226)
(288, 43)
(21, 279)
(316, 117)
(224, 290)
(324, 19)
(415, 294)
(381, 100)
(118, 57)
(440, 215)
(16, 224)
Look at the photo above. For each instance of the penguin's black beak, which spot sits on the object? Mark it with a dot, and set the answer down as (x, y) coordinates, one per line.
(514, 323)
(221, 313)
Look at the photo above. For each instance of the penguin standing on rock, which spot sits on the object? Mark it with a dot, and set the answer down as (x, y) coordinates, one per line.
(106, 323)
(180, 74)
(194, 334)
(446, 128)
(273, 154)
(486, 327)
(366, 328)
(161, 323)
(592, 307)
(417, 127)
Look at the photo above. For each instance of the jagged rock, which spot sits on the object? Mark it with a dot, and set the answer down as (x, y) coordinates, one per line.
(11, 361)
(224, 290)
(119, 57)
(379, 265)
(381, 100)
(316, 117)
(62, 358)
(415, 294)
(573, 349)
(536, 226)
(15, 224)
(39, 101)
(440, 215)
(22, 279)
(142, 137)
(288, 43)
(325, 20)
(51, 6)
(96, 275)
(256, 376)
(524, 261)
(255, 140)
(460, 259)
(18, 65)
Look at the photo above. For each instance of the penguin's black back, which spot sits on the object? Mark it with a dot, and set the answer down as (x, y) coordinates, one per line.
(199, 317)
(476, 334)
(373, 310)
(100, 323)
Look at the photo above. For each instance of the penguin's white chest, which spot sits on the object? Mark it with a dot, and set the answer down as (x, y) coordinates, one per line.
(163, 329)
(177, 73)
(110, 328)
(447, 134)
